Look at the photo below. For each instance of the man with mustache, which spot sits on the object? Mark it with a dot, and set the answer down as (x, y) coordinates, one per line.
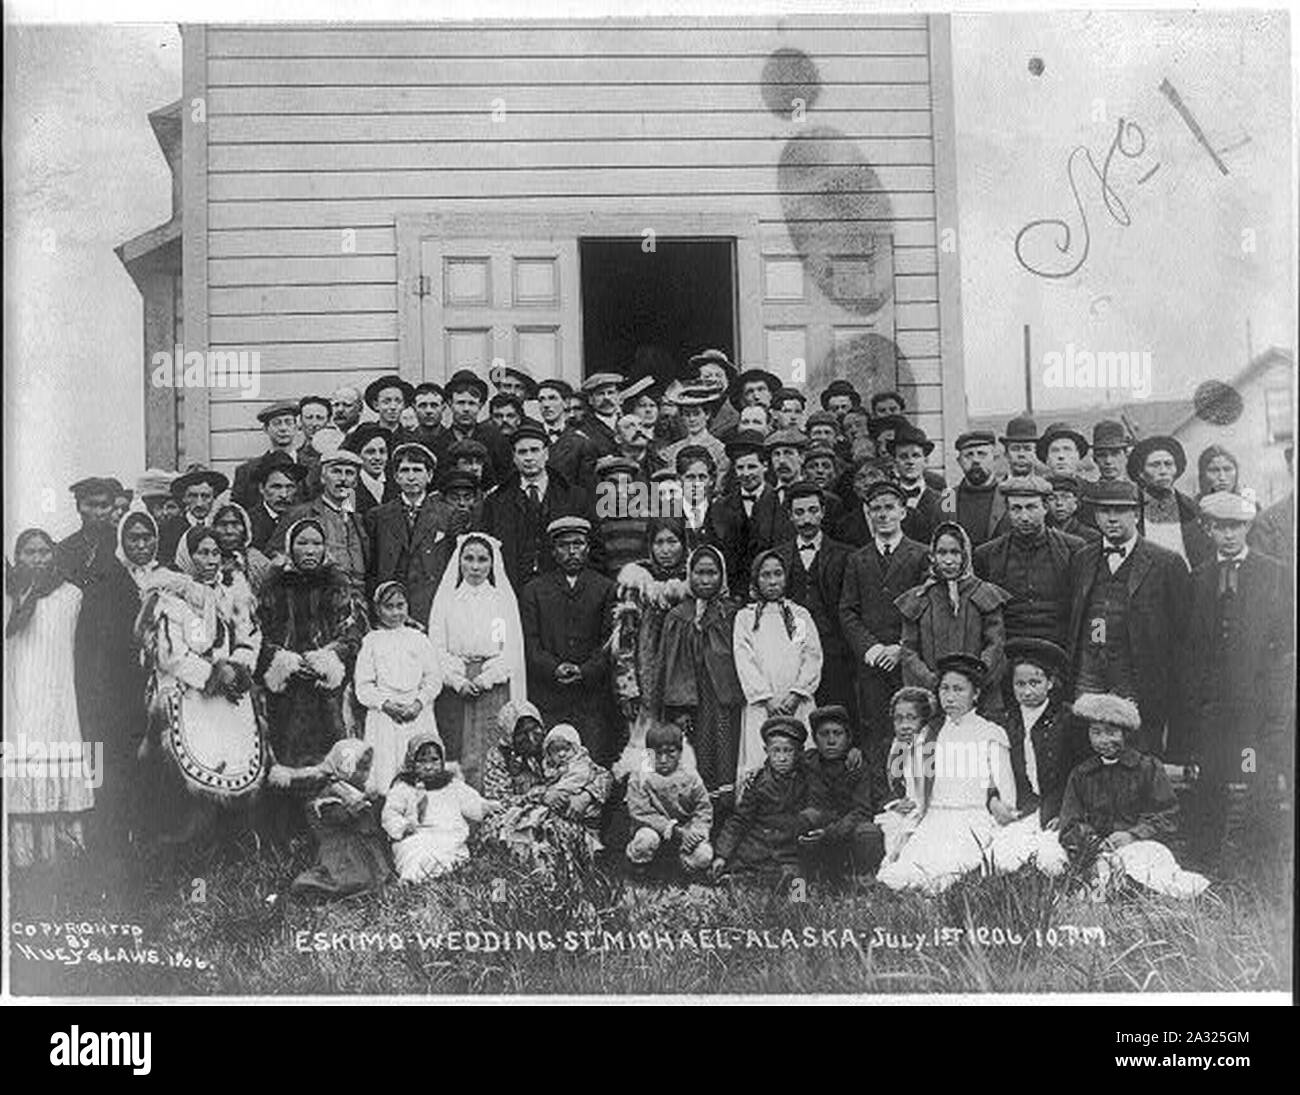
(975, 503)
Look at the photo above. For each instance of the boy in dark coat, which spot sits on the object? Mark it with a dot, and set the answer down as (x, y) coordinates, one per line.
(567, 616)
(838, 833)
(762, 834)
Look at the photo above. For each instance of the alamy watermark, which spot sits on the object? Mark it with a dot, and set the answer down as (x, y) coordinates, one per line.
(84, 760)
(1129, 370)
(178, 368)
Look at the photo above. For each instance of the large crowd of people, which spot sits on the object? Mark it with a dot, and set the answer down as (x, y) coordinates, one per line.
(684, 623)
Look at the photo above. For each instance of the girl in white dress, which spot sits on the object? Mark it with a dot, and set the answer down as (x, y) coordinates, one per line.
(973, 790)
(397, 678)
(778, 658)
(428, 811)
(474, 626)
(46, 797)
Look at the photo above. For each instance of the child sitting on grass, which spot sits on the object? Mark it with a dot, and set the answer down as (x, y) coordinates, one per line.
(562, 815)
(762, 834)
(1119, 804)
(428, 811)
(669, 806)
(911, 710)
(838, 834)
(352, 855)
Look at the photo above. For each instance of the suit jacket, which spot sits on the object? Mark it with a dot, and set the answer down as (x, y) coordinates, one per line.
(1159, 588)
(851, 527)
(505, 516)
(365, 501)
(410, 556)
(868, 614)
(263, 523)
(919, 523)
(997, 510)
(1243, 683)
(563, 624)
(818, 589)
(741, 537)
(574, 456)
(600, 435)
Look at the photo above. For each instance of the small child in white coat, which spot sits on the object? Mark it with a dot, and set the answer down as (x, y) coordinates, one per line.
(428, 811)
(397, 678)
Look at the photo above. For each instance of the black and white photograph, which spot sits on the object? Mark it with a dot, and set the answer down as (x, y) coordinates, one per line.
(770, 501)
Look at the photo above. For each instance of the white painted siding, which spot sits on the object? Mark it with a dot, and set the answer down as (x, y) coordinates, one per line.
(318, 138)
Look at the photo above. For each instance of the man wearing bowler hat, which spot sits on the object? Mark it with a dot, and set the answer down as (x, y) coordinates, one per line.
(1020, 444)
(1242, 646)
(1061, 448)
(196, 491)
(754, 385)
(749, 518)
(1128, 620)
(1167, 517)
(1031, 562)
(280, 421)
(387, 397)
(909, 450)
(466, 394)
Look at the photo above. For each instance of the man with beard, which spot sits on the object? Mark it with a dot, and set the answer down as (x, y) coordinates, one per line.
(1031, 562)
(519, 511)
(276, 481)
(567, 615)
(1167, 517)
(975, 503)
(467, 394)
(1128, 619)
(815, 565)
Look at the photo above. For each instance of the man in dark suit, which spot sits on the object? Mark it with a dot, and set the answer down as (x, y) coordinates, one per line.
(874, 575)
(815, 565)
(1242, 646)
(467, 393)
(406, 533)
(196, 491)
(572, 453)
(429, 400)
(910, 448)
(749, 518)
(277, 480)
(280, 421)
(698, 473)
(1064, 511)
(1128, 620)
(1031, 562)
(567, 615)
(519, 511)
(854, 526)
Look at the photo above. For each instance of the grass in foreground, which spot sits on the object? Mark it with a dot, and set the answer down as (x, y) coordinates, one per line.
(228, 927)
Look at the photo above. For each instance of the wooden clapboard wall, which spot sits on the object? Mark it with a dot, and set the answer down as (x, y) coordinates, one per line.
(316, 139)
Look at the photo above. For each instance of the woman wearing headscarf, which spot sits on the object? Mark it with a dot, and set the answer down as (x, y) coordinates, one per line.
(778, 657)
(46, 808)
(352, 851)
(234, 531)
(475, 629)
(313, 622)
(137, 545)
(200, 641)
(398, 677)
(514, 767)
(952, 612)
(697, 669)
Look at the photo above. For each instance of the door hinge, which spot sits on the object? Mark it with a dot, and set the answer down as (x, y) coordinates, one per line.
(423, 285)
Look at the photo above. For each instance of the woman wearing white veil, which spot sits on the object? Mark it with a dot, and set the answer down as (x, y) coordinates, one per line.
(474, 627)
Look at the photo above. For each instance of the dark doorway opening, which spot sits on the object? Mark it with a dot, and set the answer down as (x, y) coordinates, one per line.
(645, 312)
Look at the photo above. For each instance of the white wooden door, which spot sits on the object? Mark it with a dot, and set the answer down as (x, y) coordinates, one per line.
(488, 299)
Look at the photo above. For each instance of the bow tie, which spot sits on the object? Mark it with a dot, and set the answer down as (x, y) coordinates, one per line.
(1113, 549)
(806, 548)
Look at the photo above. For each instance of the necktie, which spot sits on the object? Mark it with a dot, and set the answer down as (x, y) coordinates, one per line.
(885, 550)
(534, 496)
(1228, 577)
(412, 513)
(747, 500)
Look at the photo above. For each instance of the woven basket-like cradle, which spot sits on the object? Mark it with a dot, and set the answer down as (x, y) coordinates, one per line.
(220, 750)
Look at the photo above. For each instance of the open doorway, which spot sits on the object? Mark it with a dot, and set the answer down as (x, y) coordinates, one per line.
(643, 312)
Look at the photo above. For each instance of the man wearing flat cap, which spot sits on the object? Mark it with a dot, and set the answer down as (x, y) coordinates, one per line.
(466, 393)
(785, 449)
(567, 614)
(407, 531)
(748, 518)
(975, 503)
(604, 402)
(347, 542)
(1167, 517)
(1031, 562)
(93, 545)
(280, 422)
(1242, 648)
(1128, 620)
(518, 512)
